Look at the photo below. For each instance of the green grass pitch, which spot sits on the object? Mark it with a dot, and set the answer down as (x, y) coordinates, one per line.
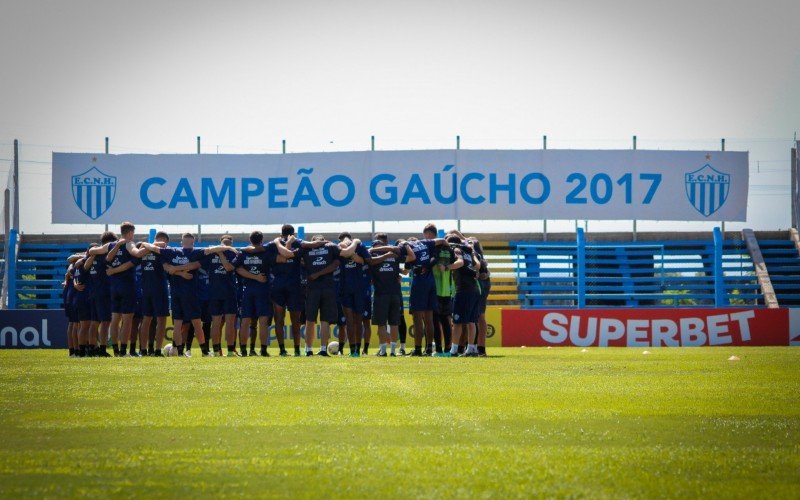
(680, 422)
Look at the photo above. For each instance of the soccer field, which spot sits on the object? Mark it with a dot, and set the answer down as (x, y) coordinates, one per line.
(523, 422)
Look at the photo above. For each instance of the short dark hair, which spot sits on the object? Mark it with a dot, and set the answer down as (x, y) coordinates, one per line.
(187, 235)
(430, 228)
(453, 239)
(108, 237)
(256, 237)
(92, 245)
(345, 235)
(126, 226)
(317, 237)
(226, 237)
(382, 237)
(162, 235)
(287, 230)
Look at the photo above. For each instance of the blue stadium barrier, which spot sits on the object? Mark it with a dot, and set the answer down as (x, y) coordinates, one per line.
(688, 273)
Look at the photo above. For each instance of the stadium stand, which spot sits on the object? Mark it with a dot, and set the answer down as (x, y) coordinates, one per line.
(657, 272)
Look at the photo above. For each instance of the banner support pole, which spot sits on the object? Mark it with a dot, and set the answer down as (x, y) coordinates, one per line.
(199, 227)
(635, 224)
(544, 234)
(106, 150)
(458, 146)
(283, 146)
(372, 148)
(722, 146)
(15, 222)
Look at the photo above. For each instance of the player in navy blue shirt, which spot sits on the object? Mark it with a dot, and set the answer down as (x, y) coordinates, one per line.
(182, 265)
(120, 263)
(319, 264)
(352, 291)
(254, 265)
(101, 296)
(155, 296)
(466, 301)
(222, 300)
(423, 301)
(388, 299)
(287, 291)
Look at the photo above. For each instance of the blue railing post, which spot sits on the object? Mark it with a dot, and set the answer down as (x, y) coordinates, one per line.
(151, 236)
(11, 259)
(301, 232)
(719, 278)
(580, 246)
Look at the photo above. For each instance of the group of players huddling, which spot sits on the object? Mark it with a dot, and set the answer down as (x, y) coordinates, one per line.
(124, 290)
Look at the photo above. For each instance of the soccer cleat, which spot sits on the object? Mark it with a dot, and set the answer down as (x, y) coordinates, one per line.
(187, 353)
(402, 352)
(393, 355)
(416, 353)
(323, 353)
(233, 354)
(253, 352)
(157, 354)
(468, 355)
(382, 354)
(134, 355)
(309, 353)
(265, 354)
(355, 354)
(283, 353)
(124, 355)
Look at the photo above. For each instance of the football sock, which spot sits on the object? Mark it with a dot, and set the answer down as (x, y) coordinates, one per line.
(366, 347)
(204, 347)
(481, 349)
(382, 349)
(123, 348)
(180, 350)
(218, 348)
(394, 346)
(454, 349)
(263, 350)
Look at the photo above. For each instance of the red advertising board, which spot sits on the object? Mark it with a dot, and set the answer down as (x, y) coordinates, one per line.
(621, 327)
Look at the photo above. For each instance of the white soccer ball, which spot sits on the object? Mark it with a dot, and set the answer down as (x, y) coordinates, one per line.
(333, 347)
(168, 350)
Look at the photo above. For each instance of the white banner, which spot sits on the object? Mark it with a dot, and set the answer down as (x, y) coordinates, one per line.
(400, 185)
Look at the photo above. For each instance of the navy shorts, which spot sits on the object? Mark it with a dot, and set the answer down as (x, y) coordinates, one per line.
(185, 307)
(101, 306)
(323, 302)
(256, 303)
(423, 294)
(155, 304)
(82, 309)
(387, 308)
(486, 286)
(137, 312)
(465, 306)
(123, 300)
(205, 313)
(354, 300)
(218, 306)
(368, 304)
(288, 296)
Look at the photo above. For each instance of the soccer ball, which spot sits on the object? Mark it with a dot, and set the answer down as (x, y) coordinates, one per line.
(333, 347)
(168, 350)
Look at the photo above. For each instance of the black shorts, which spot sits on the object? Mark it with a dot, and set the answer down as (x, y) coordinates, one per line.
(445, 305)
(465, 306)
(387, 309)
(486, 286)
(123, 299)
(322, 301)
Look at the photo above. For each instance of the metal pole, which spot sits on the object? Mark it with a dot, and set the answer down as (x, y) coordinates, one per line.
(16, 185)
(722, 145)
(283, 146)
(372, 148)
(199, 228)
(106, 141)
(635, 224)
(544, 147)
(458, 146)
